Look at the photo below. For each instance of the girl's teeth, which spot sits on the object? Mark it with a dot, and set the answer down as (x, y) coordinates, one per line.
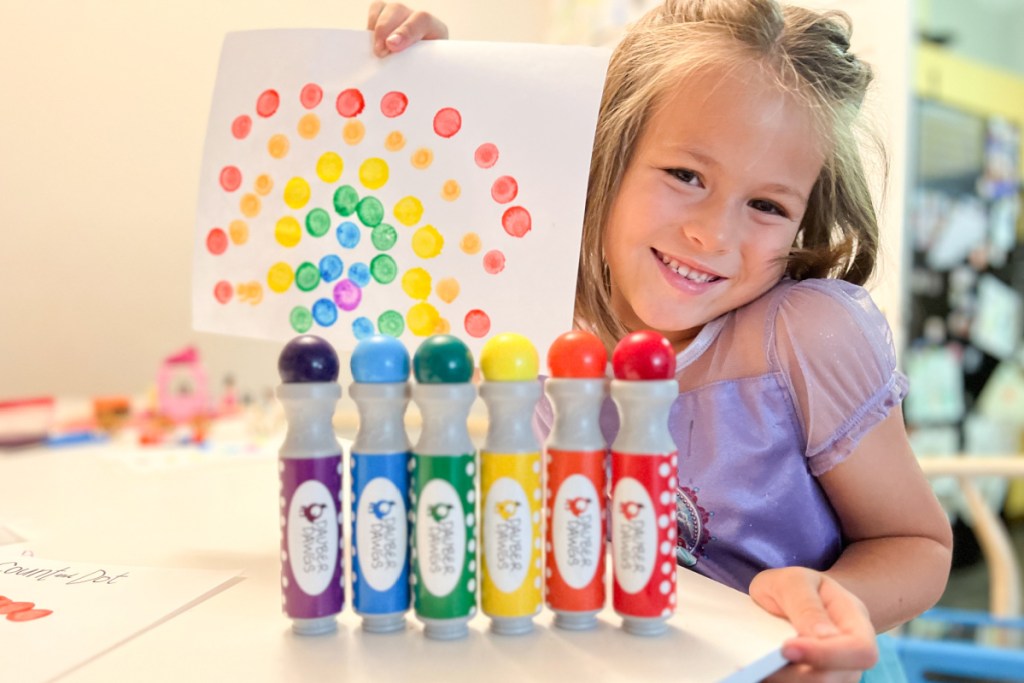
(686, 271)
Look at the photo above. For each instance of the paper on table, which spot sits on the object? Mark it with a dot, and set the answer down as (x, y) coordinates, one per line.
(81, 610)
(439, 189)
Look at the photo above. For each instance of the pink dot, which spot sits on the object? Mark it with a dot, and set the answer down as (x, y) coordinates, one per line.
(393, 104)
(347, 295)
(494, 262)
(230, 178)
(504, 189)
(223, 291)
(241, 126)
(486, 155)
(447, 122)
(217, 241)
(478, 323)
(267, 103)
(311, 95)
(350, 103)
(516, 221)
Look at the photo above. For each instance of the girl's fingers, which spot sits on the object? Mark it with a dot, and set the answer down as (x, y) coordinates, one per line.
(395, 27)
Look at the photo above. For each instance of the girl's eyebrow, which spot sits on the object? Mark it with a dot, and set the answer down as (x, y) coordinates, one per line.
(779, 188)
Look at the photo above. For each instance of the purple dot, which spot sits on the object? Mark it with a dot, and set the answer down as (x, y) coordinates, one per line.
(347, 295)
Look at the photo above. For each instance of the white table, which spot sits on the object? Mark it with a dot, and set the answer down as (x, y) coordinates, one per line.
(182, 508)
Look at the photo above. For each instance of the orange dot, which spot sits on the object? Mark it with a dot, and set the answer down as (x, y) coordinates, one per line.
(250, 205)
(395, 141)
(447, 289)
(451, 190)
(353, 132)
(278, 146)
(470, 243)
(264, 184)
(309, 126)
(239, 231)
(422, 158)
(443, 326)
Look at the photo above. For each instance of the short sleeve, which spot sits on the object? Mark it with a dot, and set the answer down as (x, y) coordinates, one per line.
(836, 354)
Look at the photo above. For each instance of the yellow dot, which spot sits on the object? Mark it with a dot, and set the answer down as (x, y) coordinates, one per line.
(509, 357)
(329, 167)
(448, 289)
(309, 126)
(408, 210)
(450, 191)
(373, 174)
(470, 243)
(416, 283)
(249, 205)
(239, 231)
(395, 141)
(280, 277)
(422, 158)
(427, 242)
(443, 326)
(264, 184)
(278, 146)
(288, 232)
(353, 132)
(296, 193)
(422, 319)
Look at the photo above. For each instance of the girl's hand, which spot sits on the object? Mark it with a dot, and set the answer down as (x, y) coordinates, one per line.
(835, 639)
(396, 27)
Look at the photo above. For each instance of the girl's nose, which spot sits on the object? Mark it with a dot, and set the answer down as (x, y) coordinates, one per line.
(709, 225)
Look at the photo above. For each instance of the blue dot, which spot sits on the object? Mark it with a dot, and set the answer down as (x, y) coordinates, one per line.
(348, 234)
(331, 268)
(359, 273)
(325, 312)
(362, 327)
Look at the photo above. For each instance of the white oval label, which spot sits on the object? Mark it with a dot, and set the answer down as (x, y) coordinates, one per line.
(576, 530)
(381, 533)
(634, 535)
(312, 537)
(507, 534)
(440, 537)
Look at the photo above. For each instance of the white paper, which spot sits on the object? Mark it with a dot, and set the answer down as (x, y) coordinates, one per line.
(81, 610)
(536, 104)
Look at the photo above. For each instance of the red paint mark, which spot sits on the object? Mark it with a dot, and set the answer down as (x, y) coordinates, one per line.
(29, 614)
(350, 103)
(311, 95)
(477, 323)
(447, 122)
(223, 291)
(11, 607)
(393, 104)
(494, 261)
(486, 155)
(267, 103)
(217, 241)
(230, 178)
(241, 126)
(504, 189)
(516, 221)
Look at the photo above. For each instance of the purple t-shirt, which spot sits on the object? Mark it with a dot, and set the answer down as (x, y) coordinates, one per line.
(771, 396)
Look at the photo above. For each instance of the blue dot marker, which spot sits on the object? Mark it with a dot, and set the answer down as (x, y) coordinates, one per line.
(379, 359)
(308, 359)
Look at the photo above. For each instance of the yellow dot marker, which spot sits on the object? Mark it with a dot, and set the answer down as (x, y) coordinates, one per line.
(427, 242)
(509, 357)
(422, 319)
(280, 277)
(329, 167)
(416, 283)
(288, 232)
(373, 174)
(408, 211)
(296, 193)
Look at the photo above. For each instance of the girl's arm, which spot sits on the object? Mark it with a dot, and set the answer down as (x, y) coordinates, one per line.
(396, 27)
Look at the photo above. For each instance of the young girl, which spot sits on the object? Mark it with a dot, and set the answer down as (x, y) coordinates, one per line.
(728, 209)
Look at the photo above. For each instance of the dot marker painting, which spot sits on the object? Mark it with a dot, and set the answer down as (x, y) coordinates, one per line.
(440, 190)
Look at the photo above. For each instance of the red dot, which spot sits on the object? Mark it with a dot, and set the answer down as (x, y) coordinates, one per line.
(311, 95)
(393, 104)
(241, 126)
(516, 221)
(267, 103)
(230, 178)
(486, 155)
(478, 323)
(577, 354)
(494, 262)
(350, 103)
(223, 291)
(504, 189)
(447, 122)
(644, 355)
(217, 241)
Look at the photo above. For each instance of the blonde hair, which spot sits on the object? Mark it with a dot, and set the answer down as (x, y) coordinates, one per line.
(808, 55)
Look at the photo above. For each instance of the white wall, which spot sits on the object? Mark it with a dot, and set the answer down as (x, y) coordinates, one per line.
(103, 107)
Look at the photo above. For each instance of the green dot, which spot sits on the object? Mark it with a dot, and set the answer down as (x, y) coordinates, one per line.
(301, 319)
(442, 359)
(391, 323)
(318, 222)
(345, 200)
(307, 277)
(370, 211)
(383, 268)
(384, 237)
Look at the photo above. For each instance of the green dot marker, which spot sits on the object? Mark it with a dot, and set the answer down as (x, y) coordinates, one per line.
(318, 222)
(345, 200)
(370, 211)
(301, 319)
(443, 359)
(383, 268)
(307, 277)
(384, 237)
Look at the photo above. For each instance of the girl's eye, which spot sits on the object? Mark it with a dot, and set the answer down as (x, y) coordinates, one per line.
(767, 207)
(685, 175)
